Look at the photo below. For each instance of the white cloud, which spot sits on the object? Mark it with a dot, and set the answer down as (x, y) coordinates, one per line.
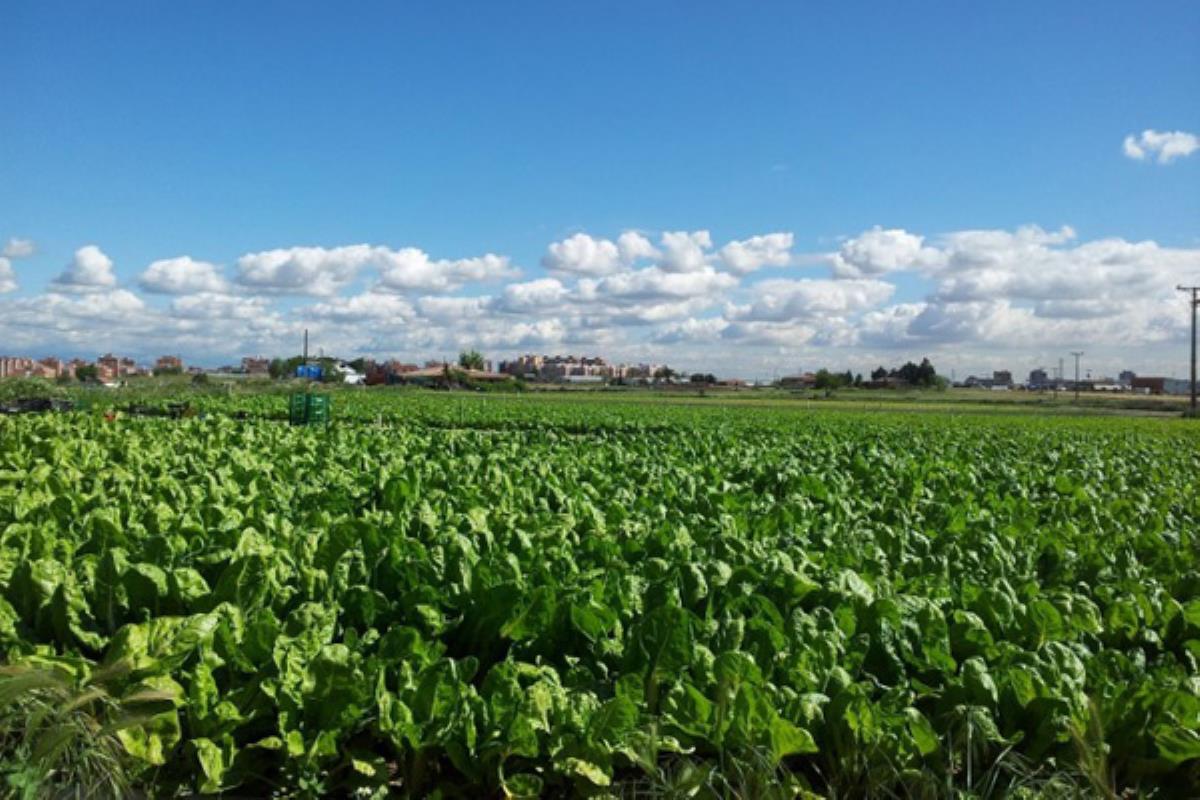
(649, 312)
(323, 272)
(17, 248)
(748, 255)
(1077, 309)
(582, 255)
(213, 305)
(102, 305)
(541, 296)
(876, 252)
(1165, 145)
(411, 269)
(182, 275)
(684, 251)
(1029, 264)
(587, 256)
(375, 307)
(452, 309)
(655, 283)
(1026, 288)
(90, 270)
(770, 333)
(983, 292)
(525, 334)
(8, 277)
(1133, 149)
(692, 330)
(315, 271)
(634, 246)
(791, 300)
(890, 325)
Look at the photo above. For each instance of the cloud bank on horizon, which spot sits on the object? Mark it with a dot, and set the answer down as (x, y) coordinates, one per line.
(740, 306)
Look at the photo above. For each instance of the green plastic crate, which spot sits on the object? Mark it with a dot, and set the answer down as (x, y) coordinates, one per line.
(309, 409)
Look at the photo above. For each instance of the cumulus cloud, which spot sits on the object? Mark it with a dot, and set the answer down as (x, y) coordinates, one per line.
(182, 275)
(541, 296)
(323, 272)
(708, 330)
(585, 255)
(634, 246)
(17, 248)
(681, 251)
(452, 309)
(316, 271)
(411, 269)
(1164, 146)
(8, 278)
(879, 251)
(368, 306)
(790, 300)
(1029, 264)
(89, 271)
(526, 334)
(104, 305)
(685, 252)
(1023, 288)
(748, 255)
(655, 283)
(981, 291)
(213, 305)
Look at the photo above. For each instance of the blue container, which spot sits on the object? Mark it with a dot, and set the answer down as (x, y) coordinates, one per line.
(310, 371)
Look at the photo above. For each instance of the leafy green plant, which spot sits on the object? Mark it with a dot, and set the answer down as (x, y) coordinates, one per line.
(565, 595)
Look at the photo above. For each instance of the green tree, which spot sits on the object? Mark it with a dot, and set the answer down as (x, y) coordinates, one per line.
(926, 374)
(87, 372)
(471, 359)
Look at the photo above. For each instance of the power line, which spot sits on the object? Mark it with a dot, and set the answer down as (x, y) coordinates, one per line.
(1195, 290)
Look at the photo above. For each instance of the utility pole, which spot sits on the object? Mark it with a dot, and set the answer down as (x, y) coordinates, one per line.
(1195, 290)
(1077, 354)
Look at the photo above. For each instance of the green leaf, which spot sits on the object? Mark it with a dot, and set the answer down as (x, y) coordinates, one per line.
(212, 765)
(921, 731)
(593, 773)
(1176, 743)
(662, 643)
(523, 786)
(613, 721)
(787, 739)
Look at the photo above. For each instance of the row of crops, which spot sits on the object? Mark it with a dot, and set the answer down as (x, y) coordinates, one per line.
(524, 597)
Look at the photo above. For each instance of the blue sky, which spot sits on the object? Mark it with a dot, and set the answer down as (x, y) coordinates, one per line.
(217, 130)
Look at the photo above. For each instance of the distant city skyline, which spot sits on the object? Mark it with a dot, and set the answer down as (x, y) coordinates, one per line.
(746, 191)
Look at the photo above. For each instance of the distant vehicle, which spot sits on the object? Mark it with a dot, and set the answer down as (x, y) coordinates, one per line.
(350, 375)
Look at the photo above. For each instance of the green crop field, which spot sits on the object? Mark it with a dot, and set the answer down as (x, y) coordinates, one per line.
(488, 596)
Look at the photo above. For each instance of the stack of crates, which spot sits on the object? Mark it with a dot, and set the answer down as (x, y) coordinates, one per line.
(309, 409)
